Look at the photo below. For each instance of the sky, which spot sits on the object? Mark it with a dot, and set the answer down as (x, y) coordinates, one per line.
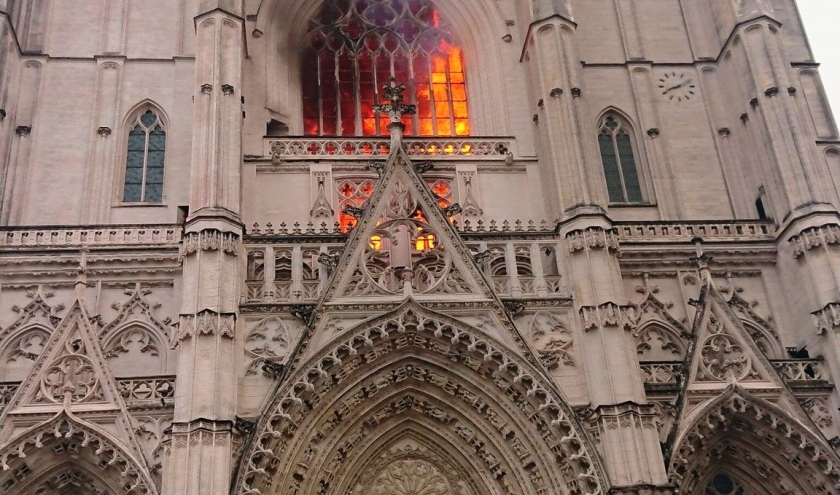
(821, 23)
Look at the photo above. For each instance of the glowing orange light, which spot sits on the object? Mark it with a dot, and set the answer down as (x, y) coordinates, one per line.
(375, 242)
(425, 242)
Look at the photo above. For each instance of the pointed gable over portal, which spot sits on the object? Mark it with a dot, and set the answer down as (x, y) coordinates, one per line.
(404, 246)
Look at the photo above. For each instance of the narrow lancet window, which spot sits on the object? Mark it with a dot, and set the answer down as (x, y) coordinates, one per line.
(620, 168)
(355, 46)
(145, 157)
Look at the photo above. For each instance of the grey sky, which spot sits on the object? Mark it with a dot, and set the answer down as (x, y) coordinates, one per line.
(821, 23)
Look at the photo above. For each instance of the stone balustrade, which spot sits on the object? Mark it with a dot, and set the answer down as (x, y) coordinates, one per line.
(686, 231)
(336, 148)
(100, 236)
(159, 390)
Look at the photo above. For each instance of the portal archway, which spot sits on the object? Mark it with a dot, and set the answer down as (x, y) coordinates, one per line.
(419, 377)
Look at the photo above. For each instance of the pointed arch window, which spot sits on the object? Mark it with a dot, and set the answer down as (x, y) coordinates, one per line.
(355, 46)
(145, 157)
(615, 139)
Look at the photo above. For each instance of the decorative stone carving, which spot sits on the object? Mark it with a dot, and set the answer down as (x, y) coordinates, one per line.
(471, 204)
(206, 322)
(410, 477)
(269, 340)
(592, 238)
(609, 314)
(819, 411)
(552, 339)
(814, 237)
(827, 318)
(723, 358)
(211, 240)
(322, 207)
(71, 376)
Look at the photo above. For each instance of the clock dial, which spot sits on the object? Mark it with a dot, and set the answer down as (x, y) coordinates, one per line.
(677, 86)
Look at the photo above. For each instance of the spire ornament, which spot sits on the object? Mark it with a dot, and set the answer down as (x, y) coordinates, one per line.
(395, 109)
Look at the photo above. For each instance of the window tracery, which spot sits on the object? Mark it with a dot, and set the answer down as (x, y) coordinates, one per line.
(615, 140)
(355, 46)
(723, 484)
(356, 192)
(145, 156)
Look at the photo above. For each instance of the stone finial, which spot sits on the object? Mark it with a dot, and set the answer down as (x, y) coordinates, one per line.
(393, 92)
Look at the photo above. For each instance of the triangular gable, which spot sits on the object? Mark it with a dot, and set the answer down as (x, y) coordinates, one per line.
(37, 312)
(135, 309)
(725, 354)
(404, 245)
(71, 375)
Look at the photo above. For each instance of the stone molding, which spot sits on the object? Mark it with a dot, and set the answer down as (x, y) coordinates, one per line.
(827, 318)
(814, 237)
(609, 314)
(205, 322)
(211, 240)
(593, 238)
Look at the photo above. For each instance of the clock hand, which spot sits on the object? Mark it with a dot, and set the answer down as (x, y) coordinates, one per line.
(678, 86)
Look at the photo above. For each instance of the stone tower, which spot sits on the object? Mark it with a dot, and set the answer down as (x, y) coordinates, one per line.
(416, 247)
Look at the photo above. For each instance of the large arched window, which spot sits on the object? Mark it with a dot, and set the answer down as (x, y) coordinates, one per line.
(615, 138)
(355, 46)
(144, 159)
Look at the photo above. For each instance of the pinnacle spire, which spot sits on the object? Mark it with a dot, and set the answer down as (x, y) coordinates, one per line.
(393, 92)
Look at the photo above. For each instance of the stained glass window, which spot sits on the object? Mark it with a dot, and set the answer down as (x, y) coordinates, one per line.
(145, 157)
(619, 160)
(354, 47)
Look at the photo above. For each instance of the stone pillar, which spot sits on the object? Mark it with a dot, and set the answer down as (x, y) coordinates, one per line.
(759, 69)
(200, 461)
(628, 435)
(566, 151)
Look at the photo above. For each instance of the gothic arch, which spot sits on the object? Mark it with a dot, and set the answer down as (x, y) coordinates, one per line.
(421, 371)
(753, 435)
(23, 344)
(38, 452)
(127, 338)
(658, 340)
(122, 134)
(283, 23)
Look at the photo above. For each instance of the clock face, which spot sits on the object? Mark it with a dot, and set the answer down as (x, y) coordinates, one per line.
(676, 86)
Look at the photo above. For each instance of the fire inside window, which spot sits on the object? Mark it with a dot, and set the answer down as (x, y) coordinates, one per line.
(355, 46)
(357, 192)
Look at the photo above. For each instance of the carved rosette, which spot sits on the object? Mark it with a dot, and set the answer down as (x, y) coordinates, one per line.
(827, 318)
(593, 238)
(205, 322)
(812, 238)
(608, 315)
(211, 240)
(723, 358)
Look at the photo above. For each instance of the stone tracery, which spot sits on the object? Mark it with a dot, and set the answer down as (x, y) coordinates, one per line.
(524, 402)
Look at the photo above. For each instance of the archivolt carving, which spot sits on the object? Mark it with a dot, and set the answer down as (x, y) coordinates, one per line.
(87, 443)
(413, 453)
(766, 434)
(287, 426)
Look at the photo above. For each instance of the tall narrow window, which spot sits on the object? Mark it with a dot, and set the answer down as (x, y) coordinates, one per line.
(355, 46)
(619, 160)
(144, 161)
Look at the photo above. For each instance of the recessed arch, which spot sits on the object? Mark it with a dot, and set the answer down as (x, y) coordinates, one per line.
(20, 351)
(441, 361)
(480, 24)
(44, 448)
(122, 345)
(738, 428)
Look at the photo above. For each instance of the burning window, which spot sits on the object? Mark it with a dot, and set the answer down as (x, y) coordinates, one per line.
(355, 46)
(357, 192)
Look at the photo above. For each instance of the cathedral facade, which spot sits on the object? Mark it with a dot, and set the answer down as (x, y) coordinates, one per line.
(416, 247)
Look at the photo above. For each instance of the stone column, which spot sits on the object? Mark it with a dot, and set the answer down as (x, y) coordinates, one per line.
(566, 149)
(628, 434)
(200, 462)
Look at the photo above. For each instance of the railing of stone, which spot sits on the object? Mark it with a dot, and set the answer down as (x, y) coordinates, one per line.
(800, 370)
(297, 148)
(686, 231)
(661, 373)
(105, 236)
(149, 389)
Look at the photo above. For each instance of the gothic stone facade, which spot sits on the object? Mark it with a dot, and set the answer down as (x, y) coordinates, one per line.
(593, 247)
